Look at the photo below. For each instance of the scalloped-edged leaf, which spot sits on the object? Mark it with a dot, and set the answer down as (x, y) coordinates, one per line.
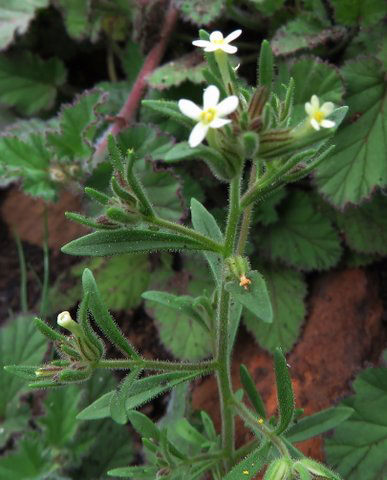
(305, 32)
(15, 17)
(30, 461)
(20, 343)
(357, 449)
(200, 12)
(365, 227)
(77, 126)
(121, 280)
(189, 67)
(29, 83)
(266, 211)
(358, 163)
(311, 77)
(59, 421)
(28, 159)
(287, 292)
(353, 12)
(302, 237)
(75, 15)
(268, 7)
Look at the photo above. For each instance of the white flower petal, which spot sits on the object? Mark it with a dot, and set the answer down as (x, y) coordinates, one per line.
(219, 123)
(228, 105)
(328, 123)
(201, 43)
(211, 48)
(327, 108)
(315, 124)
(210, 97)
(309, 108)
(216, 36)
(232, 36)
(197, 134)
(228, 48)
(315, 102)
(189, 109)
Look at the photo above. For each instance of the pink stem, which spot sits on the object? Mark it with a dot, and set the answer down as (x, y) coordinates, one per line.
(129, 109)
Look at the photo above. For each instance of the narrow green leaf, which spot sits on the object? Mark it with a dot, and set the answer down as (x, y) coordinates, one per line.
(83, 320)
(205, 223)
(265, 66)
(189, 433)
(130, 241)
(318, 423)
(169, 109)
(147, 472)
(103, 317)
(284, 391)
(143, 425)
(25, 372)
(252, 391)
(118, 400)
(48, 331)
(144, 390)
(250, 466)
(255, 298)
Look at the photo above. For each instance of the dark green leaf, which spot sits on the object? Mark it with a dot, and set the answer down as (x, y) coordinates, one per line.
(285, 393)
(255, 298)
(358, 447)
(353, 12)
(252, 391)
(302, 237)
(189, 67)
(287, 291)
(30, 83)
(143, 425)
(318, 423)
(265, 66)
(75, 14)
(357, 166)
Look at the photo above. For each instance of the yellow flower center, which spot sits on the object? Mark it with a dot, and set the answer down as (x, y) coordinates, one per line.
(318, 116)
(207, 116)
(220, 41)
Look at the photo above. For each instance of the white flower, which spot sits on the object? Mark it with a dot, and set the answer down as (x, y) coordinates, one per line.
(210, 115)
(317, 114)
(64, 320)
(217, 42)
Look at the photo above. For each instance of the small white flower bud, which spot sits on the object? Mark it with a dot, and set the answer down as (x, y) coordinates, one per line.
(64, 320)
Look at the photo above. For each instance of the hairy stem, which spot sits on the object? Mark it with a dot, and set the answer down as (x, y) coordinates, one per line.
(159, 365)
(222, 330)
(246, 219)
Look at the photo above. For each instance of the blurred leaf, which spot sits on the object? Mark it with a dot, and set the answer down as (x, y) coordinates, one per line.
(365, 226)
(20, 343)
(28, 159)
(77, 126)
(287, 291)
(30, 83)
(265, 212)
(357, 449)
(357, 165)
(15, 17)
(59, 421)
(29, 462)
(353, 12)
(189, 67)
(200, 12)
(75, 14)
(303, 237)
(311, 77)
(132, 61)
(121, 280)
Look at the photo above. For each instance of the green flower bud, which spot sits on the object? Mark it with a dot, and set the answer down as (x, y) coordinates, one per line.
(238, 267)
(278, 470)
(250, 144)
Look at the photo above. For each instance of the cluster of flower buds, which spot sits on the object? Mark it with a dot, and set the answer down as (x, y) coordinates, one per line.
(80, 351)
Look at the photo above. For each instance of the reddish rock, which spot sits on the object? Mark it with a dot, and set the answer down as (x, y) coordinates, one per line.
(344, 330)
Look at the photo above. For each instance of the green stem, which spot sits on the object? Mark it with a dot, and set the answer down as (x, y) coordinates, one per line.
(46, 264)
(159, 365)
(176, 227)
(252, 421)
(222, 61)
(23, 274)
(246, 219)
(222, 331)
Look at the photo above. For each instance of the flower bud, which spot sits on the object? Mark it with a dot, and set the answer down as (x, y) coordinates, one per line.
(278, 470)
(64, 320)
(250, 144)
(238, 267)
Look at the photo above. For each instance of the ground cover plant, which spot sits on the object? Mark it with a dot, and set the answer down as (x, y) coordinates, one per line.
(225, 152)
